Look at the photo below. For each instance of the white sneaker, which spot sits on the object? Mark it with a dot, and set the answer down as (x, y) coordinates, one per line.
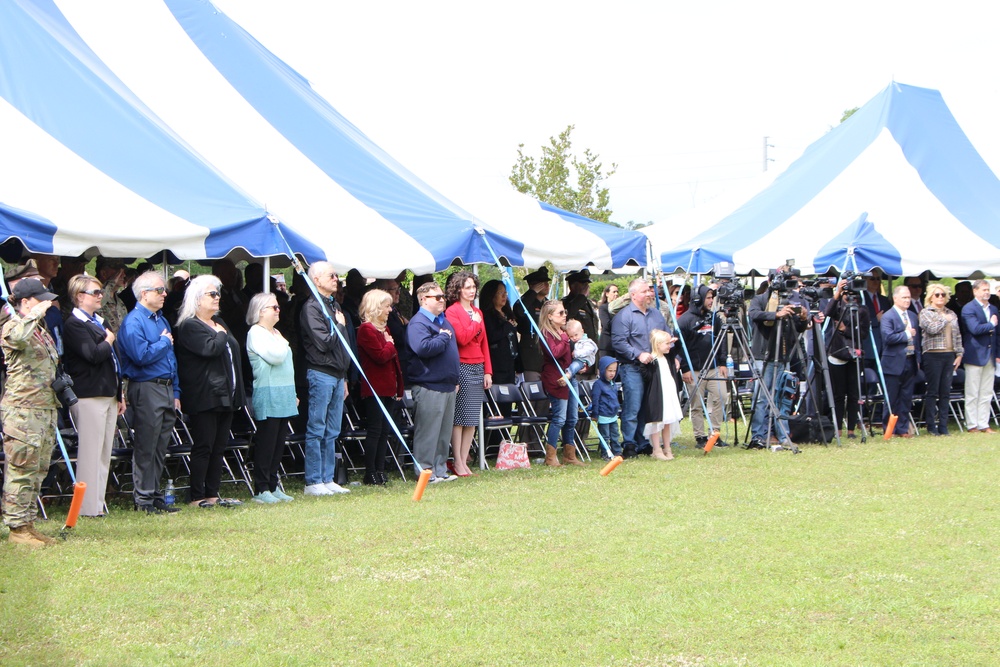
(448, 477)
(317, 490)
(333, 487)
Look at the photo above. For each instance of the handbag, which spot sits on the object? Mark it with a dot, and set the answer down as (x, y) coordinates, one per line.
(512, 455)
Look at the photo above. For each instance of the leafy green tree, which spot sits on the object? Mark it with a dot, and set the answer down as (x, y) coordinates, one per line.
(848, 113)
(562, 179)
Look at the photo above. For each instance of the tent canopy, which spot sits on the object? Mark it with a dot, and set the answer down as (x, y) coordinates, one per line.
(260, 122)
(99, 171)
(900, 162)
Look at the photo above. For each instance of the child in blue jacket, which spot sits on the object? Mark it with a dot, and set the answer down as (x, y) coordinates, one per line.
(604, 404)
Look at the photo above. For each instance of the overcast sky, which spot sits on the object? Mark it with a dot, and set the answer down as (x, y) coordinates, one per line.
(678, 94)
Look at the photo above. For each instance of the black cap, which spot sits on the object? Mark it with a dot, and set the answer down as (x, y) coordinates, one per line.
(539, 276)
(31, 287)
(578, 276)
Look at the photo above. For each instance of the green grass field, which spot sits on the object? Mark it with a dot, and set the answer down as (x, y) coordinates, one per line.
(871, 554)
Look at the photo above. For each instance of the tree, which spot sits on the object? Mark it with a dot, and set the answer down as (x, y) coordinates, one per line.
(848, 113)
(550, 178)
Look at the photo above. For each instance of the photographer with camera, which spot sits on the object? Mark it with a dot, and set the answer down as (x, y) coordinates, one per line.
(778, 309)
(700, 328)
(848, 329)
(28, 409)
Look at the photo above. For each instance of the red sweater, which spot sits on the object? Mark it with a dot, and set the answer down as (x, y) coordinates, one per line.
(473, 348)
(563, 351)
(380, 362)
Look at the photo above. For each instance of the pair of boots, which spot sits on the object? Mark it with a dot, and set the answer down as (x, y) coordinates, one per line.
(569, 456)
(28, 535)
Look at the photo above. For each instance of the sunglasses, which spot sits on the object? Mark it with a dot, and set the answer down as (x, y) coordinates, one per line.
(274, 308)
(559, 312)
(213, 294)
(437, 297)
(158, 290)
(938, 295)
(92, 292)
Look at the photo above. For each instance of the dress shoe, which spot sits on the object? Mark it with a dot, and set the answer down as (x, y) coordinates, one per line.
(164, 507)
(147, 508)
(904, 435)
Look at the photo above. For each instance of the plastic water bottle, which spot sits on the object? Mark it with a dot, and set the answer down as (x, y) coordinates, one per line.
(729, 365)
(170, 493)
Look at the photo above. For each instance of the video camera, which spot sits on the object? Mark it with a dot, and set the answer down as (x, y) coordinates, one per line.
(816, 289)
(857, 282)
(729, 294)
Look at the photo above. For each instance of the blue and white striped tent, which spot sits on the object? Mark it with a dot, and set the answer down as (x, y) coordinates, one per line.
(900, 163)
(258, 122)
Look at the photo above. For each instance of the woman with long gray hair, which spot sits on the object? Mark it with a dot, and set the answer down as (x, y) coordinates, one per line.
(211, 379)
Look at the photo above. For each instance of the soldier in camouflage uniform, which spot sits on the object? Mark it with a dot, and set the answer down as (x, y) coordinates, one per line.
(28, 409)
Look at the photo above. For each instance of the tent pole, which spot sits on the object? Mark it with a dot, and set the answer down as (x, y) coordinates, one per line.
(267, 275)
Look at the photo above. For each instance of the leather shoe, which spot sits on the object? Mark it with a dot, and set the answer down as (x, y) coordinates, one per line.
(161, 506)
(904, 435)
(986, 430)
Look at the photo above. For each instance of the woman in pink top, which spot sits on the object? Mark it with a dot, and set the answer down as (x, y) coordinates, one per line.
(476, 372)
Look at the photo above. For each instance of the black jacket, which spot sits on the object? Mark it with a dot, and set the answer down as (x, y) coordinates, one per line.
(699, 334)
(211, 376)
(323, 350)
(765, 345)
(87, 357)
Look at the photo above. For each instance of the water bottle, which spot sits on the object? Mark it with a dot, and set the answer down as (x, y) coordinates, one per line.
(729, 366)
(170, 493)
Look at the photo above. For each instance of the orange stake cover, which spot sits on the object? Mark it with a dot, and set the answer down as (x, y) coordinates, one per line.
(612, 464)
(711, 442)
(425, 477)
(79, 489)
(891, 427)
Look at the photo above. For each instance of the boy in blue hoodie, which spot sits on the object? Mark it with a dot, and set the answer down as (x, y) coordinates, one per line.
(604, 405)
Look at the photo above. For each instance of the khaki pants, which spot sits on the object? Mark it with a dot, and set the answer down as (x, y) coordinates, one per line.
(714, 393)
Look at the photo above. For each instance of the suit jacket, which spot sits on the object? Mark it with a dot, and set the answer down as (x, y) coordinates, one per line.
(88, 359)
(979, 336)
(876, 303)
(894, 341)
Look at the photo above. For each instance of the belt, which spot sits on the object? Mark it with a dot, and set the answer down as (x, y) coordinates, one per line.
(166, 382)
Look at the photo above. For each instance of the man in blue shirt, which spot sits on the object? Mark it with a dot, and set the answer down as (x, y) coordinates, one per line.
(146, 352)
(630, 341)
(433, 374)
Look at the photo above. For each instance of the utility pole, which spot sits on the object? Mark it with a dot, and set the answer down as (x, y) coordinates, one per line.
(766, 158)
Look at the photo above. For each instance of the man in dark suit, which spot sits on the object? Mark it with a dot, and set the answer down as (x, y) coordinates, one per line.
(979, 336)
(900, 359)
(877, 303)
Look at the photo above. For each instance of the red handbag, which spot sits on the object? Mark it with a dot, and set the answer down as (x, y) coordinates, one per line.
(512, 455)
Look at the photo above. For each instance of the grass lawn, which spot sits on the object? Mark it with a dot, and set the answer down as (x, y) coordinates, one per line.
(870, 554)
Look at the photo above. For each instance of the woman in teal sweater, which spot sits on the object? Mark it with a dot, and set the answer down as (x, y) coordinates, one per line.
(274, 398)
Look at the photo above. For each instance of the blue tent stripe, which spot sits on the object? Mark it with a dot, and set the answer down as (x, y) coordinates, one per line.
(34, 231)
(625, 245)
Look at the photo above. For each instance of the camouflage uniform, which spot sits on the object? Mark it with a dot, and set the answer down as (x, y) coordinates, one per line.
(112, 309)
(28, 410)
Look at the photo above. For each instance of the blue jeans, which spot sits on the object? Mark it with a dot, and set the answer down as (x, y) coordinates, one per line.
(610, 434)
(633, 415)
(562, 419)
(326, 411)
(762, 411)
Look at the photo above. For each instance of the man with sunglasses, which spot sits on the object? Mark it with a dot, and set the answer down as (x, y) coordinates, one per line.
(433, 375)
(146, 352)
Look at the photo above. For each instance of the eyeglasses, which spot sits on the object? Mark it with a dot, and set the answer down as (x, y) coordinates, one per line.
(275, 308)
(213, 294)
(437, 297)
(158, 290)
(938, 295)
(92, 292)
(559, 312)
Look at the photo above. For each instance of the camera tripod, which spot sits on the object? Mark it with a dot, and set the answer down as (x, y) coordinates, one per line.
(849, 317)
(821, 361)
(732, 325)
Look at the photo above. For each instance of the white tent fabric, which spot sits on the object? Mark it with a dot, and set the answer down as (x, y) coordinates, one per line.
(901, 163)
(261, 124)
(88, 168)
